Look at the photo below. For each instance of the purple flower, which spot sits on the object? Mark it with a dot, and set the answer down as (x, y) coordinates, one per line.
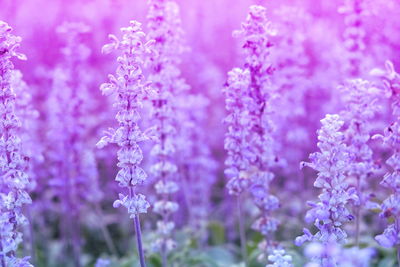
(74, 176)
(249, 141)
(165, 29)
(14, 181)
(28, 116)
(292, 82)
(390, 207)
(70, 122)
(391, 82)
(278, 258)
(197, 166)
(353, 36)
(239, 129)
(331, 212)
(130, 89)
(360, 98)
(335, 255)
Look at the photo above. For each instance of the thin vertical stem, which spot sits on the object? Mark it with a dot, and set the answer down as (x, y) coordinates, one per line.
(358, 222)
(358, 212)
(139, 241)
(398, 255)
(164, 262)
(104, 230)
(76, 242)
(397, 225)
(242, 233)
(31, 237)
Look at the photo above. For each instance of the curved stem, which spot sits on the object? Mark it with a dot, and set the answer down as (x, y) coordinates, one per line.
(242, 232)
(139, 241)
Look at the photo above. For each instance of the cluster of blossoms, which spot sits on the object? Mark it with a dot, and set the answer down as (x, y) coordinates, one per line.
(197, 167)
(291, 80)
(360, 98)
(76, 87)
(255, 33)
(130, 89)
(346, 257)
(239, 129)
(74, 176)
(28, 115)
(165, 29)
(278, 258)
(353, 36)
(273, 101)
(249, 92)
(390, 208)
(236, 143)
(331, 212)
(14, 180)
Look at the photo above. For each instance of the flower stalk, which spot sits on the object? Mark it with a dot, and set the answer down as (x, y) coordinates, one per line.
(130, 89)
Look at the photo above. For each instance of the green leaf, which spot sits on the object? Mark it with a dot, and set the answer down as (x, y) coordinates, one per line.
(387, 262)
(217, 233)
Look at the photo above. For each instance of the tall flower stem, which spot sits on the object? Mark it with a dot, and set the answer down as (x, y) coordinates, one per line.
(164, 251)
(398, 255)
(358, 213)
(31, 236)
(164, 27)
(75, 240)
(139, 241)
(164, 260)
(131, 88)
(398, 246)
(242, 233)
(104, 230)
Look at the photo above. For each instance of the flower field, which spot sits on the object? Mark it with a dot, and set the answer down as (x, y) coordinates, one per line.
(185, 133)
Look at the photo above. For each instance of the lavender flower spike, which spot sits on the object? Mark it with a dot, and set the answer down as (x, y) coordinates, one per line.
(390, 208)
(130, 89)
(68, 132)
(239, 129)
(360, 99)
(13, 164)
(354, 36)
(250, 125)
(165, 28)
(256, 32)
(331, 212)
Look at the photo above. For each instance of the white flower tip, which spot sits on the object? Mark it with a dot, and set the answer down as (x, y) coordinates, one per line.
(117, 203)
(377, 72)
